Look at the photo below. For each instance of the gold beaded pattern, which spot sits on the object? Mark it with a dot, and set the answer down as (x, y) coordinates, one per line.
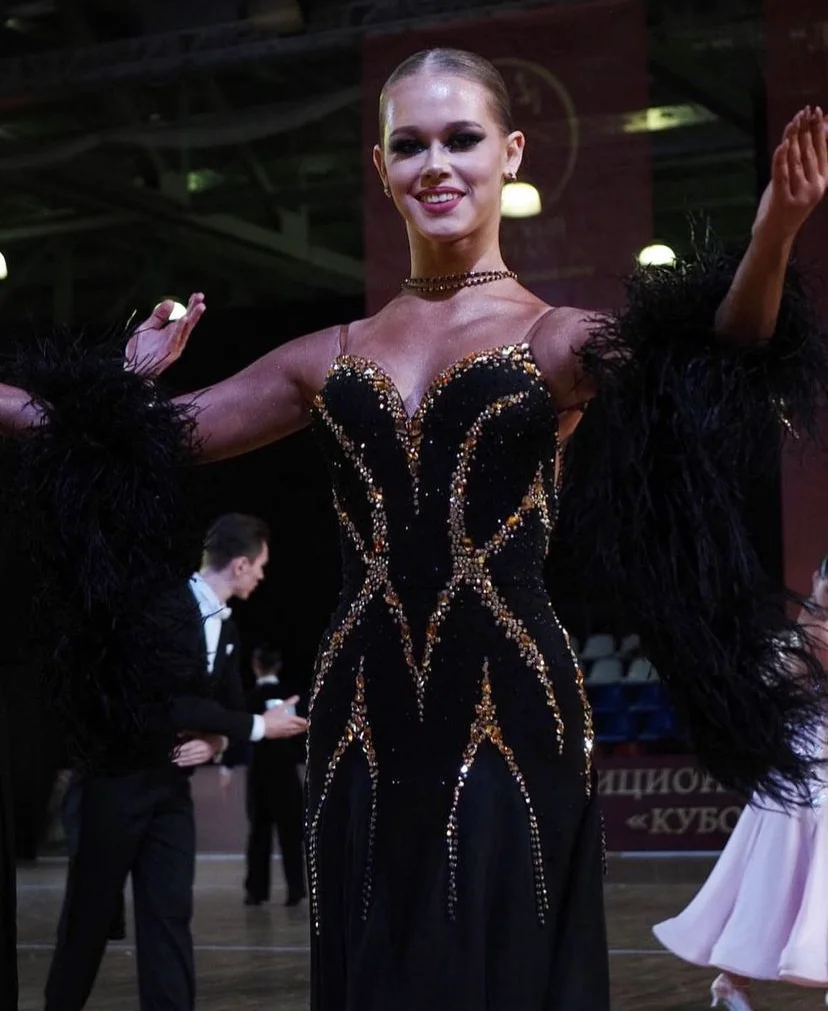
(357, 730)
(348, 525)
(470, 564)
(376, 560)
(534, 499)
(469, 570)
(589, 725)
(409, 429)
(486, 728)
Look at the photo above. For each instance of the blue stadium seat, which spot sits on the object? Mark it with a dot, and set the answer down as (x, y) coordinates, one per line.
(613, 727)
(606, 698)
(647, 696)
(659, 725)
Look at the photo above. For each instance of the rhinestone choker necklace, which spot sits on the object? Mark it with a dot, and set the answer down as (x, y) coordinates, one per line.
(450, 282)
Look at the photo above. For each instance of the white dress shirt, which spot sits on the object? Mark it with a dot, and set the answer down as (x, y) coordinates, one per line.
(213, 613)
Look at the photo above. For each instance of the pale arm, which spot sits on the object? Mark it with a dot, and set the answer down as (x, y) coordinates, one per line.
(17, 411)
(799, 178)
(264, 402)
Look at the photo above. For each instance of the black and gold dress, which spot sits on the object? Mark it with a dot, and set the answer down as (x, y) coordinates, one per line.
(453, 835)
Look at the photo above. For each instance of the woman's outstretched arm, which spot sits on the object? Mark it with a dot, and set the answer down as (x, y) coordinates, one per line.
(749, 310)
(153, 346)
(264, 402)
(799, 179)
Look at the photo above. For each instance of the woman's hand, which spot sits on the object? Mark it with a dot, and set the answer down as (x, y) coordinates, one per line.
(799, 177)
(156, 343)
(819, 591)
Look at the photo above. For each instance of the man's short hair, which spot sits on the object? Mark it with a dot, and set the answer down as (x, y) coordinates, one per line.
(267, 657)
(234, 535)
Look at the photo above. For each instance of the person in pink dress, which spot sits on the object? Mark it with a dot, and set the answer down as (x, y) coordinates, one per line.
(762, 914)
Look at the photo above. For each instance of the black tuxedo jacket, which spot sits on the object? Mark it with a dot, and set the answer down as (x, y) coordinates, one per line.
(193, 699)
(217, 705)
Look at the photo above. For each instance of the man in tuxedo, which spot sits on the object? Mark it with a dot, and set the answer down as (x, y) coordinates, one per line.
(139, 820)
(274, 790)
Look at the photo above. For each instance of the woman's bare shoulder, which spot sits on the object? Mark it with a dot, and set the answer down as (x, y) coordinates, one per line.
(313, 354)
(568, 325)
(560, 335)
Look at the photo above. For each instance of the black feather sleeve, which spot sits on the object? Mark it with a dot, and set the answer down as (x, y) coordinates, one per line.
(98, 494)
(682, 423)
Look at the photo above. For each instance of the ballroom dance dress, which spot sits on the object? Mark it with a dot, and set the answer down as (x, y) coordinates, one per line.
(453, 832)
(762, 912)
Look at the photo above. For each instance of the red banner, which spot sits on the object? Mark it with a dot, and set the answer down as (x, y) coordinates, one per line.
(577, 75)
(664, 803)
(797, 75)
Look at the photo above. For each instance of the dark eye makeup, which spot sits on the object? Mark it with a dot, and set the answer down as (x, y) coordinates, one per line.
(462, 140)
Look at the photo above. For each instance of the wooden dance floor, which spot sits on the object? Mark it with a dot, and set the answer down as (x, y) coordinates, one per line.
(258, 958)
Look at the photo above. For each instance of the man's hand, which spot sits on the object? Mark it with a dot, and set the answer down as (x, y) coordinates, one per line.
(198, 750)
(281, 721)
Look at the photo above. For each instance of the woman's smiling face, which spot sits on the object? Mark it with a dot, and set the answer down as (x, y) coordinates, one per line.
(444, 155)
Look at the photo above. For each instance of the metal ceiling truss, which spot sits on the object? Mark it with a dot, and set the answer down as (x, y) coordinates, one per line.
(126, 175)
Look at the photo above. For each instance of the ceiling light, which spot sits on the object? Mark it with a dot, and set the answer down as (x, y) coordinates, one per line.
(666, 117)
(520, 200)
(657, 255)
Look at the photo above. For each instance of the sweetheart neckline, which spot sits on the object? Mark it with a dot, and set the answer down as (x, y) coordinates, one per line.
(440, 380)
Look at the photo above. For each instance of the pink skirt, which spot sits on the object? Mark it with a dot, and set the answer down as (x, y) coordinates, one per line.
(763, 912)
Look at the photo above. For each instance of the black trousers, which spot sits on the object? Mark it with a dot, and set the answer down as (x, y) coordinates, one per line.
(274, 799)
(141, 824)
(70, 816)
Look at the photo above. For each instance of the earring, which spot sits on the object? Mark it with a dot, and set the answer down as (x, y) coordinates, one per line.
(510, 177)
(387, 192)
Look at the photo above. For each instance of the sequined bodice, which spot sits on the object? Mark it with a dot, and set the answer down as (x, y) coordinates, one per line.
(418, 503)
(444, 644)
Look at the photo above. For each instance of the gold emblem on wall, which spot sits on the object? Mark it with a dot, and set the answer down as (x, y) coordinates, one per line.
(542, 104)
